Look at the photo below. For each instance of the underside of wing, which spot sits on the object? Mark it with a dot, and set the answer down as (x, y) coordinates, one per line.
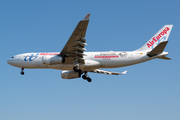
(108, 72)
(75, 46)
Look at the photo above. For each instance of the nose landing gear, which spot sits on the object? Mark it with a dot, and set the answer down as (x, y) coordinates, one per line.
(22, 71)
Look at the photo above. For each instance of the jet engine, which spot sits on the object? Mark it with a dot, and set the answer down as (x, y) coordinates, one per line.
(52, 60)
(70, 74)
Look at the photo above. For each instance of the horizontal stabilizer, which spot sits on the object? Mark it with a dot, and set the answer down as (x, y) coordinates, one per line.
(158, 49)
(164, 58)
(108, 72)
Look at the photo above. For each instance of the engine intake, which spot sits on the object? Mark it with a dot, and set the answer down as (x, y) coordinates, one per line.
(52, 60)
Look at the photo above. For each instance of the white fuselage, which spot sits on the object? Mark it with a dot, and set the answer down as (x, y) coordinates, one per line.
(93, 60)
(74, 61)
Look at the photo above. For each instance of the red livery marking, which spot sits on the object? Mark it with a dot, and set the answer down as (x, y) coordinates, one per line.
(155, 39)
(48, 53)
(114, 56)
(87, 16)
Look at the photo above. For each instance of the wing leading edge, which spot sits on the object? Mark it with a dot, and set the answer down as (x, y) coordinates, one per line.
(75, 46)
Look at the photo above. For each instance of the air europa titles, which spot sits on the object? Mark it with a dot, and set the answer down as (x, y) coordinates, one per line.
(155, 39)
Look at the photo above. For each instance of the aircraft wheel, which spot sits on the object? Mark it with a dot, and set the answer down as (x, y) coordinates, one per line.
(84, 77)
(80, 73)
(89, 79)
(22, 73)
(75, 69)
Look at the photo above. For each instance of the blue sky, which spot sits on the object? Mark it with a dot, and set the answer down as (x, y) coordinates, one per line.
(149, 91)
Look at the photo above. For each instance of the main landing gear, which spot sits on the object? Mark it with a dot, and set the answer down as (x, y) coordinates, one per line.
(76, 69)
(22, 71)
(85, 76)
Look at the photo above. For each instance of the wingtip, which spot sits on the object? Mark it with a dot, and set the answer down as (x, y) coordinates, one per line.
(87, 17)
(124, 72)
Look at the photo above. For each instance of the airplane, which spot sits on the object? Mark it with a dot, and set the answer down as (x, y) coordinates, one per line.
(75, 62)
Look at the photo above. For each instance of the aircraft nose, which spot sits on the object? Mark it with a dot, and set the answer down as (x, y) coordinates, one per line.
(8, 61)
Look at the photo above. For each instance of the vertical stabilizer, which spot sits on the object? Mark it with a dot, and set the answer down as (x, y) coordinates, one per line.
(161, 36)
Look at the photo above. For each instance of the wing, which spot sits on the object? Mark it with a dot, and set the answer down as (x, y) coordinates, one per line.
(108, 72)
(74, 48)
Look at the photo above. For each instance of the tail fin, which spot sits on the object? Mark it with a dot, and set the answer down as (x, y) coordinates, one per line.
(161, 36)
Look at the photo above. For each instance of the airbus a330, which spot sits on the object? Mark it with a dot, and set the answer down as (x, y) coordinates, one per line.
(75, 62)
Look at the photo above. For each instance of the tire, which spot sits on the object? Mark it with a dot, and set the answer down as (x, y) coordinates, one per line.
(75, 69)
(84, 77)
(22, 73)
(89, 79)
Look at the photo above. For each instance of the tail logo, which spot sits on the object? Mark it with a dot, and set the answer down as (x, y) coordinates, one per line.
(158, 38)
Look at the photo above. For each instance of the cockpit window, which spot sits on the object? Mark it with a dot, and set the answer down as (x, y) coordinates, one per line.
(12, 57)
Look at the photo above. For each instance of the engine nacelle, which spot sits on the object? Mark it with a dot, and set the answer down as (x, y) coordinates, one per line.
(69, 74)
(52, 60)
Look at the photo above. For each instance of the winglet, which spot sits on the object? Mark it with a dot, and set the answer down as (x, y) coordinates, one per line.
(124, 72)
(87, 17)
